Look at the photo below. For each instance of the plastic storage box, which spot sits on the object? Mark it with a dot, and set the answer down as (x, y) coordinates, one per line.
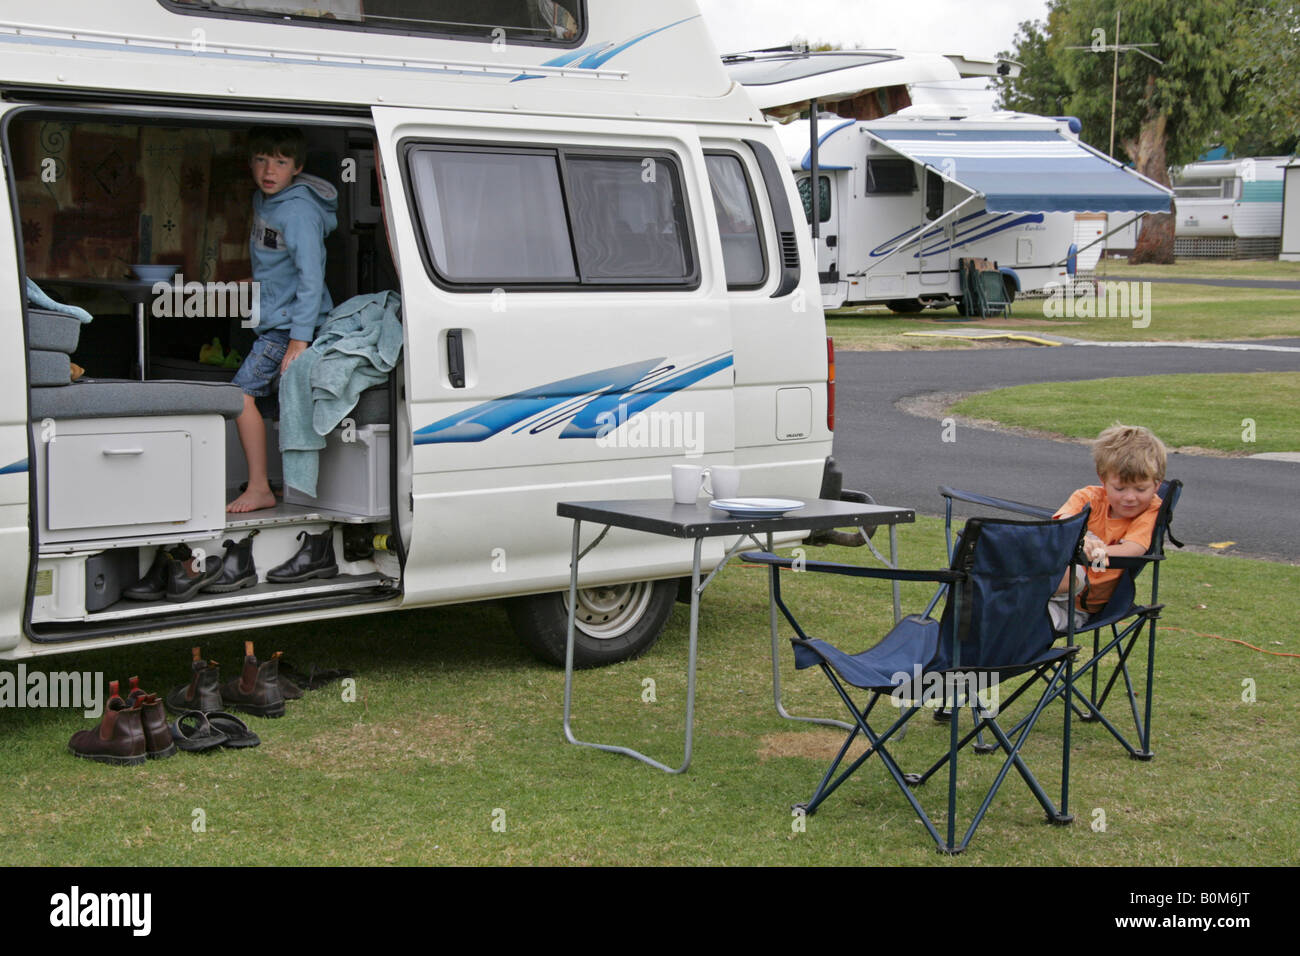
(353, 476)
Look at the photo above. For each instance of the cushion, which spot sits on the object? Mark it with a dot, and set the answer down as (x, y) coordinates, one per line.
(49, 368)
(99, 398)
(52, 331)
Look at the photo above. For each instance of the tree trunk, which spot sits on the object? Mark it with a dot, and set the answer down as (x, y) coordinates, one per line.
(1156, 240)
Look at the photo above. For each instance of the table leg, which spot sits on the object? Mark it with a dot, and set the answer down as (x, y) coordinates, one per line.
(773, 589)
(140, 331)
(690, 668)
(893, 564)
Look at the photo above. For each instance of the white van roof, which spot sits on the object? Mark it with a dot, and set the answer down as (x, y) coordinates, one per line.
(653, 60)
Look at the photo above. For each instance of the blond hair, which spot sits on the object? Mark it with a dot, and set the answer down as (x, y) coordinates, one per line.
(1130, 453)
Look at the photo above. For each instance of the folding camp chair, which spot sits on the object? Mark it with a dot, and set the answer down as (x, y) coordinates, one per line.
(994, 626)
(1088, 698)
(983, 290)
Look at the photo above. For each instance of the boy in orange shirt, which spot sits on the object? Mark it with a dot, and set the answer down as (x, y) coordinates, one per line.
(1130, 463)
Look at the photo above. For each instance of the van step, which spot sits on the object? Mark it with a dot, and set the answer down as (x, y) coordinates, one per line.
(294, 514)
(260, 593)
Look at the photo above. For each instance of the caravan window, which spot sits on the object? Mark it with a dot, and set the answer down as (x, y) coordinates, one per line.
(551, 218)
(890, 176)
(1205, 188)
(733, 202)
(824, 197)
(528, 21)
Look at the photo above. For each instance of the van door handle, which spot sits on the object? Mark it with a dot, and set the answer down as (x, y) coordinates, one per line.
(455, 358)
(122, 452)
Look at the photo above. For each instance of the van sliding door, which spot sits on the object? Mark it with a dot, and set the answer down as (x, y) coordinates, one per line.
(567, 338)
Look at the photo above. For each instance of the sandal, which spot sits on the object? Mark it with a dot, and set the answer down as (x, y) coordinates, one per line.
(193, 731)
(234, 731)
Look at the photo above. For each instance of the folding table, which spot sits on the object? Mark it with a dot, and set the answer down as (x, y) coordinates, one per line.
(699, 521)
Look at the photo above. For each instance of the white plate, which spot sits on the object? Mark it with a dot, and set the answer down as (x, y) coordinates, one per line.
(756, 507)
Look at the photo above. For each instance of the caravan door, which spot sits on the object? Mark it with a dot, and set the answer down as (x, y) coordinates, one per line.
(935, 255)
(567, 338)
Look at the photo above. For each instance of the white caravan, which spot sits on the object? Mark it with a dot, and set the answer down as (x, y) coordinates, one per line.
(1239, 198)
(903, 199)
(593, 233)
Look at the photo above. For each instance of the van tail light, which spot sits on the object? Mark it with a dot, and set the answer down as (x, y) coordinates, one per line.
(830, 383)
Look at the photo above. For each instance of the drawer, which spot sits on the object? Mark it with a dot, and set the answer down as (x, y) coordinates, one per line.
(99, 481)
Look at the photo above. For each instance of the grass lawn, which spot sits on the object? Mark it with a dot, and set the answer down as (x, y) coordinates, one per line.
(455, 727)
(1205, 411)
(1177, 312)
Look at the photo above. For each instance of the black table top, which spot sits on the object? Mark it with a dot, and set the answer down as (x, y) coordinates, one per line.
(666, 517)
(135, 291)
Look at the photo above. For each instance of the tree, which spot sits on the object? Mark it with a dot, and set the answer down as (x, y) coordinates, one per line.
(1267, 78)
(1165, 113)
(1040, 88)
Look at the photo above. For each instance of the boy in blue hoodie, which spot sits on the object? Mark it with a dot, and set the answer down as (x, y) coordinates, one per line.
(292, 215)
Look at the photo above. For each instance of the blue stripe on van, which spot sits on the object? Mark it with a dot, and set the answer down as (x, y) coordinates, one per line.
(14, 468)
(592, 404)
(597, 55)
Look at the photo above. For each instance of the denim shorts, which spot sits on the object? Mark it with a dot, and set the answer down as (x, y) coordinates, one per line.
(260, 373)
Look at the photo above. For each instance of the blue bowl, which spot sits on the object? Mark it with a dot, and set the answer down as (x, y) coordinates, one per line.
(147, 273)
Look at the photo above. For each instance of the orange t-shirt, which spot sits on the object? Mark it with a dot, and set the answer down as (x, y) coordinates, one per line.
(1138, 530)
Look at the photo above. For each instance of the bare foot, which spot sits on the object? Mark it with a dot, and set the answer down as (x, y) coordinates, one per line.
(251, 500)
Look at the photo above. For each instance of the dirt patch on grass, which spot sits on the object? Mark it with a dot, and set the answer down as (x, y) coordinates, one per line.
(430, 737)
(820, 745)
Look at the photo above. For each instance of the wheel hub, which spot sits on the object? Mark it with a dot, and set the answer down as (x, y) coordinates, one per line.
(611, 611)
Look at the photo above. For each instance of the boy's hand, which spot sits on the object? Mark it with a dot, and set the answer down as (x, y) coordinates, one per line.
(296, 348)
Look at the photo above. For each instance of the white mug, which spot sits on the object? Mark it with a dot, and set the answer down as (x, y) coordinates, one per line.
(725, 480)
(687, 481)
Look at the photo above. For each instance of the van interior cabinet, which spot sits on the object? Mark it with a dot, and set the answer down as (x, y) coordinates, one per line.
(94, 472)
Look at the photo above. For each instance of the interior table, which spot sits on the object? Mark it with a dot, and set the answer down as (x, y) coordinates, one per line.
(699, 521)
(137, 292)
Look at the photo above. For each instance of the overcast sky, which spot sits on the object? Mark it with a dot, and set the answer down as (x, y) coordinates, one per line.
(940, 26)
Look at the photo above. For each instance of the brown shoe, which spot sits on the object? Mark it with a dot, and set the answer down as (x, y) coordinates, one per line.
(118, 740)
(257, 689)
(202, 693)
(158, 742)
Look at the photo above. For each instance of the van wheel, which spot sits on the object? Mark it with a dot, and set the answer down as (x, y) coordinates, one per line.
(615, 622)
(905, 306)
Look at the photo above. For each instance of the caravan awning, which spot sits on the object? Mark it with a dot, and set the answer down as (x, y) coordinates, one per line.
(1026, 170)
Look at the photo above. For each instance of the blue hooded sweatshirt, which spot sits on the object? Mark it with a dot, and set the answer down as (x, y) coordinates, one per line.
(287, 246)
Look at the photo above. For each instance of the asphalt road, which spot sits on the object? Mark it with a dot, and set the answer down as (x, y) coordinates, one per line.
(901, 459)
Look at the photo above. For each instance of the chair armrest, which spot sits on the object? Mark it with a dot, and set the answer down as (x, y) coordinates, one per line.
(1004, 504)
(943, 575)
(1133, 563)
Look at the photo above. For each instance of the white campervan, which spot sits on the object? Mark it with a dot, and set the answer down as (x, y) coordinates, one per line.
(592, 232)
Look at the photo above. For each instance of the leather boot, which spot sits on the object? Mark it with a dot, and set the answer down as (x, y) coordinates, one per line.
(184, 580)
(257, 689)
(119, 739)
(202, 693)
(315, 559)
(158, 742)
(153, 585)
(237, 568)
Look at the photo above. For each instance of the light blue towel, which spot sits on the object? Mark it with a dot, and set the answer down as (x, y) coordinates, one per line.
(357, 347)
(36, 296)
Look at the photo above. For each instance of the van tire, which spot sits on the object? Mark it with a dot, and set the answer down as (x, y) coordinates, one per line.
(615, 623)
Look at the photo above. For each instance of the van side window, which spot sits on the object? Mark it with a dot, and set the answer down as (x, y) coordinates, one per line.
(529, 21)
(628, 219)
(551, 218)
(733, 202)
(824, 198)
(493, 216)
